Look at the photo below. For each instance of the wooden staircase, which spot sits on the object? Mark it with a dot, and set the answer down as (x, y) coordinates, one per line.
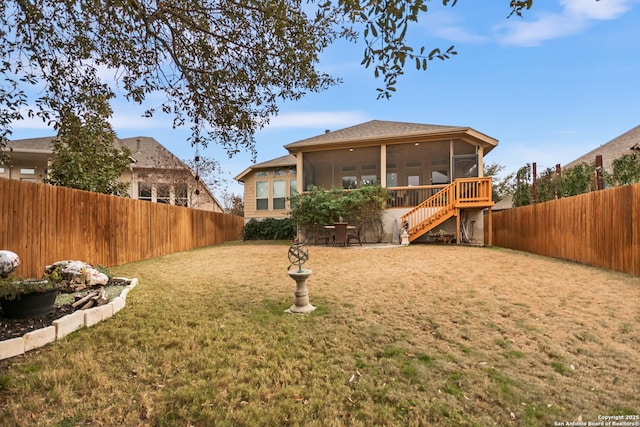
(464, 193)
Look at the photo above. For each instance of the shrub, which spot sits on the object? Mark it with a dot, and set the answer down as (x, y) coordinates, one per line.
(626, 170)
(318, 207)
(269, 229)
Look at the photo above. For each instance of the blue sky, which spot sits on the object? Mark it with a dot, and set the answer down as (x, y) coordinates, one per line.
(550, 86)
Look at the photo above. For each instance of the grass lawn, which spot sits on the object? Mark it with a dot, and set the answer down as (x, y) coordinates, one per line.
(417, 335)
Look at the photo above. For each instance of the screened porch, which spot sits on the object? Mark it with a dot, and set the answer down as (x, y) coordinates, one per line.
(411, 171)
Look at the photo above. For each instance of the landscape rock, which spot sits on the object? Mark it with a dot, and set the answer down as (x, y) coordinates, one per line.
(76, 275)
(9, 261)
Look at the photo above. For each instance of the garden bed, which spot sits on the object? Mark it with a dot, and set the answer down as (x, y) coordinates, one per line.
(14, 328)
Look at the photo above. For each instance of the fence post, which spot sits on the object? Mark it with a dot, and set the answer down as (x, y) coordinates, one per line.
(534, 174)
(599, 175)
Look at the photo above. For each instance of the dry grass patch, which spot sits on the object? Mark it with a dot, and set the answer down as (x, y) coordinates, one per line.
(418, 335)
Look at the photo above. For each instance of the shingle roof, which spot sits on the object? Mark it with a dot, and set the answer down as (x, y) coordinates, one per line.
(283, 161)
(611, 150)
(146, 151)
(378, 129)
(506, 203)
(44, 144)
(149, 153)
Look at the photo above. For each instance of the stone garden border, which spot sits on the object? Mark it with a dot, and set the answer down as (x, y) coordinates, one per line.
(64, 326)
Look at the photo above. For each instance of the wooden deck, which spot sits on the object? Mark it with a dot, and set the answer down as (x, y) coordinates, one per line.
(448, 202)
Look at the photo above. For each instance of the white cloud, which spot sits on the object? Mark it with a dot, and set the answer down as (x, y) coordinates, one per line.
(458, 34)
(315, 119)
(448, 25)
(130, 119)
(575, 16)
(591, 9)
(548, 26)
(27, 123)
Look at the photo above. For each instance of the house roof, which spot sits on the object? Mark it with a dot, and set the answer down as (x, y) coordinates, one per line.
(376, 131)
(627, 143)
(33, 145)
(43, 144)
(506, 203)
(283, 161)
(149, 153)
(145, 151)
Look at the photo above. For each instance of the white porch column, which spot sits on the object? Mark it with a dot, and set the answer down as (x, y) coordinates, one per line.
(299, 172)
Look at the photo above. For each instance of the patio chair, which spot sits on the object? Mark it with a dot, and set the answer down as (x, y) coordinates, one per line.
(340, 237)
(355, 236)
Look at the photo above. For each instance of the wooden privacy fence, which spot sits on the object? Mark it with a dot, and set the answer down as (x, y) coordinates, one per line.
(44, 224)
(601, 228)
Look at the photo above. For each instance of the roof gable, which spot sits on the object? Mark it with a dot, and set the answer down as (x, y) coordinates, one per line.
(149, 153)
(279, 162)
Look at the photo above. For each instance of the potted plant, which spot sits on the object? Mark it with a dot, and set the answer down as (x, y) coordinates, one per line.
(23, 298)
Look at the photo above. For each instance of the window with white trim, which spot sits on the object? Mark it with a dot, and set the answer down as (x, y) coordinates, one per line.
(144, 191)
(181, 195)
(163, 194)
(279, 194)
(262, 195)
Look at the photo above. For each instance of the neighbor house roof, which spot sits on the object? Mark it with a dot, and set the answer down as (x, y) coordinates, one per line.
(376, 131)
(627, 143)
(43, 145)
(149, 153)
(279, 162)
(145, 151)
(506, 203)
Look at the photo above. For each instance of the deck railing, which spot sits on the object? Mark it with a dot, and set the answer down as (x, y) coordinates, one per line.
(472, 192)
(462, 193)
(401, 197)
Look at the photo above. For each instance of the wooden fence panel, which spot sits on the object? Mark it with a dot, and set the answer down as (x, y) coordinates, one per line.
(600, 228)
(44, 224)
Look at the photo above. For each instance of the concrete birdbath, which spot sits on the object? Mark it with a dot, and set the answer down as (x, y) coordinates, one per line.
(298, 255)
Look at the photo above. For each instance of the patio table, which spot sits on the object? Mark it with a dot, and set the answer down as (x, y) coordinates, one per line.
(340, 232)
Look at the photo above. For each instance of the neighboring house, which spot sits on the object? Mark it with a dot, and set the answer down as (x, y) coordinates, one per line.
(433, 173)
(627, 143)
(155, 174)
(506, 203)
